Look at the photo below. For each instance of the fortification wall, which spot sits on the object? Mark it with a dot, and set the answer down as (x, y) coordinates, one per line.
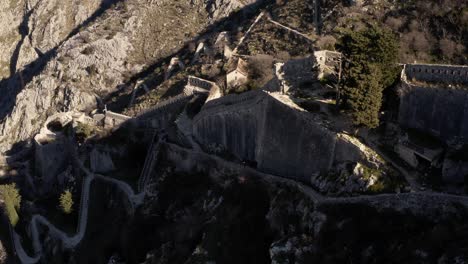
(450, 74)
(439, 111)
(162, 114)
(165, 111)
(199, 83)
(269, 129)
(299, 71)
(232, 99)
(291, 143)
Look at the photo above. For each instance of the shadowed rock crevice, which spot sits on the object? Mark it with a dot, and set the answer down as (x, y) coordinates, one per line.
(24, 32)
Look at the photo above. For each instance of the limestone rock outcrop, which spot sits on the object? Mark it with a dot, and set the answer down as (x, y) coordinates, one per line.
(68, 55)
(30, 28)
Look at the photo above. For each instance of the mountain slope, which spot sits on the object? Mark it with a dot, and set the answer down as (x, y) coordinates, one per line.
(73, 63)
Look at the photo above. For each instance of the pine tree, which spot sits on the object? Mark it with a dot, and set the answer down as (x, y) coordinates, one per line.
(370, 67)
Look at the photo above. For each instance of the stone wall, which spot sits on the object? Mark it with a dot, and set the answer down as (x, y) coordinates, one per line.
(450, 74)
(162, 114)
(329, 63)
(298, 72)
(200, 83)
(269, 130)
(114, 120)
(436, 110)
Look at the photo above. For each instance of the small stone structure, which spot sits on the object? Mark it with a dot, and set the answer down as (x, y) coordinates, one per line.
(239, 76)
(173, 65)
(198, 83)
(329, 64)
(297, 73)
(203, 85)
(223, 45)
(200, 49)
(52, 151)
(138, 86)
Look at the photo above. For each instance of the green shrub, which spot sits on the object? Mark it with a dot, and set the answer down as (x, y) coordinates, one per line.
(66, 202)
(12, 200)
(84, 130)
(378, 187)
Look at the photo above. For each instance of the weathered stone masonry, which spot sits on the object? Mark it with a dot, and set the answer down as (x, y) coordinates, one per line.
(449, 74)
(272, 131)
(440, 107)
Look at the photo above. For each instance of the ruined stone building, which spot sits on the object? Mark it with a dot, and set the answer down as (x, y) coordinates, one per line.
(223, 45)
(434, 102)
(434, 99)
(329, 63)
(203, 85)
(239, 76)
(52, 152)
(299, 73)
(175, 64)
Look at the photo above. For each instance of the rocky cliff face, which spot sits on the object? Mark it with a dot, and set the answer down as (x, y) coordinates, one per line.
(63, 55)
(30, 28)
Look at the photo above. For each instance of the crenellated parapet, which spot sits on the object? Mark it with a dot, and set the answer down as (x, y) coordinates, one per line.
(434, 99)
(436, 73)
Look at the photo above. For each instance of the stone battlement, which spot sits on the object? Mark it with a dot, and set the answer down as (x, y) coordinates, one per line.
(200, 83)
(434, 73)
(231, 99)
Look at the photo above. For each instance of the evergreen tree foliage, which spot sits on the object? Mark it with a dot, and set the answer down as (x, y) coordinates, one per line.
(12, 200)
(66, 202)
(370, 67)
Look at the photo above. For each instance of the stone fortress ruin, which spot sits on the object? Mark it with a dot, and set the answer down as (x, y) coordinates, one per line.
(436, 73)
(434, 101)
(263, 130)
(270, 132)
(330, 64)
